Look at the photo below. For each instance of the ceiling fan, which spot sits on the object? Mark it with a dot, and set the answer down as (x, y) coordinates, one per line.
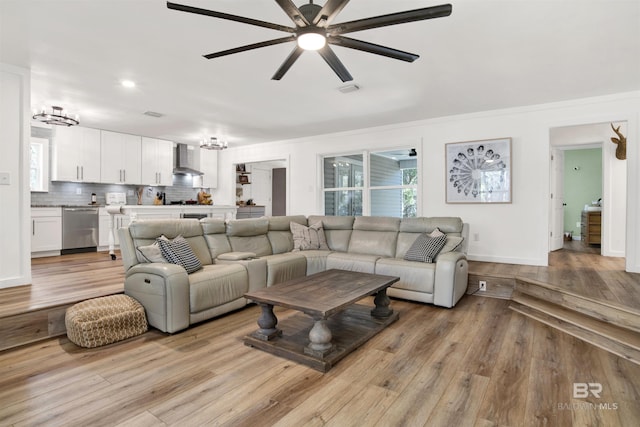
(313, 31)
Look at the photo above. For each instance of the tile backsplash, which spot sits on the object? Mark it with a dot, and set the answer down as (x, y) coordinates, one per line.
(66, 193)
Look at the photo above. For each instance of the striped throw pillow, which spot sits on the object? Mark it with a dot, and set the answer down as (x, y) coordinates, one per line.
(178, 251)
(425, 248)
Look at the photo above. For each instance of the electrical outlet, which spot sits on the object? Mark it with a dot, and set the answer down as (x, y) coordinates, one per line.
(79, 190)
(483, 285)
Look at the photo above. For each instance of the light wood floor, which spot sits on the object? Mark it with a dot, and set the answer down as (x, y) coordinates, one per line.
(584, 273)
(478, 364)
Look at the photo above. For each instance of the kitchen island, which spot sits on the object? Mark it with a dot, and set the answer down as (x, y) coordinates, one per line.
(122, 215)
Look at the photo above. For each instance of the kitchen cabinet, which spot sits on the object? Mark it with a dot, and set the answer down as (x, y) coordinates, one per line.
(46, 231)
(250, 212)
(120, 158)
(76, 154)
(209, 167)
(157, 162)
(590, 230)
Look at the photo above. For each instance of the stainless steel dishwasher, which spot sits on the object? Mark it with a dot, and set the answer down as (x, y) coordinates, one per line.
(79, 230)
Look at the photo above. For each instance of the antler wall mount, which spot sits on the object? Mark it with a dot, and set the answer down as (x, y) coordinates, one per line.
(313, 24)
(621, 143)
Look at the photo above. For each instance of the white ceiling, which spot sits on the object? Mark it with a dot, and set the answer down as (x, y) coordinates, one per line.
(486, 55)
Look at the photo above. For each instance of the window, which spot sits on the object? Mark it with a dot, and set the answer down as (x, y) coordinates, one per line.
(39, 164)
(343, 185)
(390, 190)
(394, 184)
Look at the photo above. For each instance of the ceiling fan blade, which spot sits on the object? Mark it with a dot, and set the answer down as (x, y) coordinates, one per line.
(293, 56)
(328, 12)
(293, 12)
(390, 19)
(229, 17)
(250, 47)
(336, 65)
(372, 48)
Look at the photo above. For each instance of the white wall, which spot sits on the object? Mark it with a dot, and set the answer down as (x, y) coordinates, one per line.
(511, 233)
(15, 216)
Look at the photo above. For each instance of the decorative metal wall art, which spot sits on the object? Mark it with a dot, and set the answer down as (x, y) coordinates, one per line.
(479, 171)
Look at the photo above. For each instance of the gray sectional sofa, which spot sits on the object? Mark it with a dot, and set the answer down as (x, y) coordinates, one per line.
(246, 254)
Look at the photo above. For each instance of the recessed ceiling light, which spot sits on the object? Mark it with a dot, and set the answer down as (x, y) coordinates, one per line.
(128, 83)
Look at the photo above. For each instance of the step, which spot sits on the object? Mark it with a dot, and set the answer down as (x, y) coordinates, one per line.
(617, 340)
(606, 311)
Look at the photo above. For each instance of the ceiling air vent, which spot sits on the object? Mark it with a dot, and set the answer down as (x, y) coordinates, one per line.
(153, 114)
(349, 88)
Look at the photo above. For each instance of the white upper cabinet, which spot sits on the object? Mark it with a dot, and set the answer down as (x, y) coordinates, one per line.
(157, 162)
(208, 166)
(76, 154)
(120, 158)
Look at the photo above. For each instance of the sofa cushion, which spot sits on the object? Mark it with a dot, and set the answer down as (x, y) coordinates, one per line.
(215, 285)
(283, 267)
(316, 260)
(337, 230)
(352, 262)
(215, 234)
(247, 227)
(447, 225)
(150, 253)
(414, 276)
(259, 245)
(279, 233)
(308, 238)
(374, 236)
(425, 248)
(178, 251)
(249, 235)
(145, 233)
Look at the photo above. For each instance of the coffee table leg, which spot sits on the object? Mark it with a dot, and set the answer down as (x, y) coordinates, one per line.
(267, 322)
(319, 339)
(382, 302)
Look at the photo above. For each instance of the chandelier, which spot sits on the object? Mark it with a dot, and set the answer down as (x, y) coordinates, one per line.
(57, 116)
(213, 144)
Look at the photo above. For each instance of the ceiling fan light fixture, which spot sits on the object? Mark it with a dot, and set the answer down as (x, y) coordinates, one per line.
(312, 40)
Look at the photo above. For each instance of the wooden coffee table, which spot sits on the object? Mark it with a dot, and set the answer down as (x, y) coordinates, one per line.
(332, 325)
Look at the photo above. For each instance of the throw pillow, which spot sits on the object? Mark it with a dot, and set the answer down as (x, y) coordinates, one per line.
(436, 233)
(425, 248)
(452, 243)
(307, 238)
(178, 251)
(150, 253)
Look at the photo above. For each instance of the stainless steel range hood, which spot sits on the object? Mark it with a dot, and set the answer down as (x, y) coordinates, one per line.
(183, 164)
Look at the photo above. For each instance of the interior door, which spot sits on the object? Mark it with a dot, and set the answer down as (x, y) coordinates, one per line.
(261, 188)
(556, 240)
(279, 191)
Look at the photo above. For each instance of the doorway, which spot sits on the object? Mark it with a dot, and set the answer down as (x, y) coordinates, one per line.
(580, 197)
(578, 144)
(267, 186)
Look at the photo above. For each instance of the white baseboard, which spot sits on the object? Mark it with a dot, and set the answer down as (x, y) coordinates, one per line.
(507, 260)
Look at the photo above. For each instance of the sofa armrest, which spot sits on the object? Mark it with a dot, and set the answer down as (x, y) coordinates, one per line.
(452, 277)
(236, 256)
(163, 291)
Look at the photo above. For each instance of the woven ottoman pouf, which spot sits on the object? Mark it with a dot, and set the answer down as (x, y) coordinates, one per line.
(105, 320)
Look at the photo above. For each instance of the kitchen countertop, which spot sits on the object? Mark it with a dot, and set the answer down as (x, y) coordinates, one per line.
(136, 206)
(88, 205)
